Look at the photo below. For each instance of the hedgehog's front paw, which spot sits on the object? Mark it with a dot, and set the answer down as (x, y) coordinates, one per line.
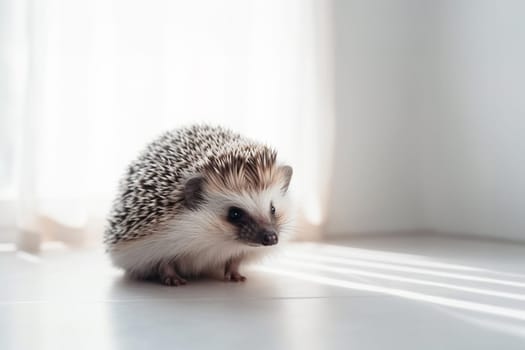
(173, 281)
(234, 276)
(231, 271)
(169, 277)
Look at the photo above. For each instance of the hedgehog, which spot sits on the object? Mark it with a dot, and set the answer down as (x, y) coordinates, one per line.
(199, 200)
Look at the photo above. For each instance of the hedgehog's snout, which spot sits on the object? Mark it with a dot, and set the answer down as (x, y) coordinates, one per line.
(269, 238)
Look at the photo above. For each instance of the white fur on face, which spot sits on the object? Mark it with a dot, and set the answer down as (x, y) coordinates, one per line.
(256, 204)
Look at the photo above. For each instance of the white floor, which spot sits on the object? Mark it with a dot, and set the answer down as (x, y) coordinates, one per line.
(403, 292)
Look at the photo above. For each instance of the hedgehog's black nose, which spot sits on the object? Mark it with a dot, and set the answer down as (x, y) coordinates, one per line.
(269, 238)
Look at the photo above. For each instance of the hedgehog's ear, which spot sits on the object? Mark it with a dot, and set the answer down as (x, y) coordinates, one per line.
(193, 192)
(286, 173)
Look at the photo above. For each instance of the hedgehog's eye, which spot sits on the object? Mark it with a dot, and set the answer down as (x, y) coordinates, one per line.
(235, 214)
(272, 209)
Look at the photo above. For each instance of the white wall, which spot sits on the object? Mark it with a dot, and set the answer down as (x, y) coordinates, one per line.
(430, 117)
(473, 144)
(373, 175)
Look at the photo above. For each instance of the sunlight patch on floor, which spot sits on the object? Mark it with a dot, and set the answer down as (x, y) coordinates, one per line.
(449, 302)
(391, 266)
(354, 272)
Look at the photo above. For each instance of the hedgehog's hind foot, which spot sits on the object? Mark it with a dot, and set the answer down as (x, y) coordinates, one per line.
(231, 271)
(169, 276)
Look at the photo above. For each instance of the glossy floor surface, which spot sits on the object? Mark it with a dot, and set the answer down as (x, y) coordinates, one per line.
(404, 292)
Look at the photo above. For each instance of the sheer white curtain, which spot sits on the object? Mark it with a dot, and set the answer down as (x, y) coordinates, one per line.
(90, 82)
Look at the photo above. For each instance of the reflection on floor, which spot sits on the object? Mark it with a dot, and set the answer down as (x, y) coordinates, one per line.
(393, 292)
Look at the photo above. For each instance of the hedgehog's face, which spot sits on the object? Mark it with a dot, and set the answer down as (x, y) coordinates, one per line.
(251, 229)
(250, 216)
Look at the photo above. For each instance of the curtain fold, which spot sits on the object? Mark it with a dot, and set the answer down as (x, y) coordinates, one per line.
(101, 78)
